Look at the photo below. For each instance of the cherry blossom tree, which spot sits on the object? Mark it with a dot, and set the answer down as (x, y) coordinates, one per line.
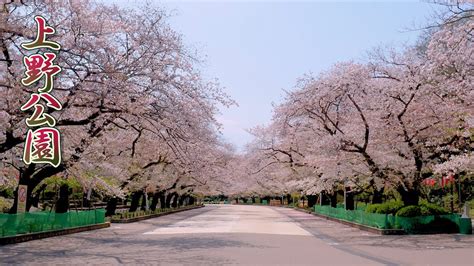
(384, 124)
(125, 71)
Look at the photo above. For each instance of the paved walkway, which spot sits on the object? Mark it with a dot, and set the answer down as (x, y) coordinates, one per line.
(243, 235)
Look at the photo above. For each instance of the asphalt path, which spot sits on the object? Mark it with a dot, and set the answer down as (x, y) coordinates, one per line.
(240, 235)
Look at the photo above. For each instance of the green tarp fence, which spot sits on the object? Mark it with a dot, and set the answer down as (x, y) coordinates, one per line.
(419, 224)
(24, 223)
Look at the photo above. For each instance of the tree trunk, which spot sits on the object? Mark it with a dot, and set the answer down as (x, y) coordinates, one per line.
(162, 200)
(325, 199)
(348, 199)
(143, 206)
(135, 201)
(410, 197)
(169, 197)
(191, 200)
(154, 201)
(311, 200)
(85, 202)
(36, 197)
(175, 200)
(111, 206)
(333, 199)
(62, 204)
(186, 200)
(181, 200)
(289, 199)
(377, 196)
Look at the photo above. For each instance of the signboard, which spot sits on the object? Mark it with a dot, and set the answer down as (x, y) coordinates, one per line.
(22, 195)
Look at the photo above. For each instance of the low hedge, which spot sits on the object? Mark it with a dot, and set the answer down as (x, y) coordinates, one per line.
(409, 211)
(131, 215)
(396, 207)
(431, 209)
(128, 215)
(389, 207)
(423, 209)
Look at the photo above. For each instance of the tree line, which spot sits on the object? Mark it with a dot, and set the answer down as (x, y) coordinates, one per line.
(138, 119)
(377, 127)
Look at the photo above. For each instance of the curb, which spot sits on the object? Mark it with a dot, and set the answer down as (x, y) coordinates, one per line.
(39, 235)
(141, 218)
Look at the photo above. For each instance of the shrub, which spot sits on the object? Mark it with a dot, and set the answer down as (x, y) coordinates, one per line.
(431, 209)
(5, 204)
(409, 211)
(424, 210)
(140, 213)
(6, 192)
(396, 207)
(372, 208)
(389, 207)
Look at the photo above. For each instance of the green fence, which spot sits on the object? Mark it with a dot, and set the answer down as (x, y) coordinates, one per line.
(23, 223)
(357, 216)
(420, 224)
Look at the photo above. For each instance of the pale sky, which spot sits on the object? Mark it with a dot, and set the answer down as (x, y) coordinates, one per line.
(257, 49)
